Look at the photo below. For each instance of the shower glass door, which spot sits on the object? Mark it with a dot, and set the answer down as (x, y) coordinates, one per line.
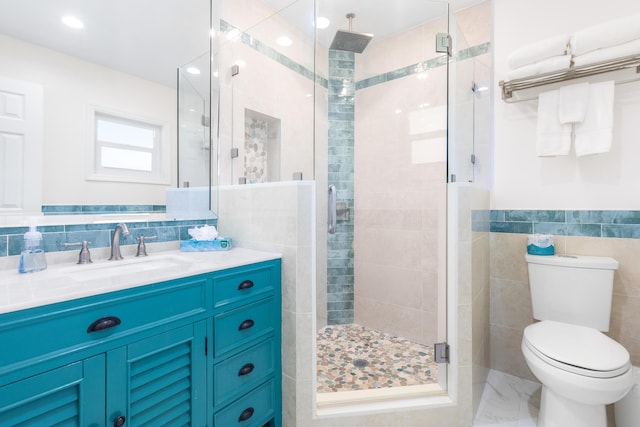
(381, 146)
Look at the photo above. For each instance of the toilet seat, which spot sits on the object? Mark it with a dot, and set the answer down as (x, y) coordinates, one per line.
(577, 349)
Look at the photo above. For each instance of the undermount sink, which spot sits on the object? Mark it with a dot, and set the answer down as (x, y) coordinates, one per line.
(106, 269)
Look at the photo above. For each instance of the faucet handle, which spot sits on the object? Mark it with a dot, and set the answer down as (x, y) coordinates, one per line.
(142, 248)
(85, 256)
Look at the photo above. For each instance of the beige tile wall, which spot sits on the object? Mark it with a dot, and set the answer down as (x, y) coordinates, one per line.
(511, 302)
(400, 212)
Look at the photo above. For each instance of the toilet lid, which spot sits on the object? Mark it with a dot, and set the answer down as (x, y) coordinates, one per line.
(578, 349)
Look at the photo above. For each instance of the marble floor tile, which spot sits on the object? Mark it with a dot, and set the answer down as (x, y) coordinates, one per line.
(508, 401)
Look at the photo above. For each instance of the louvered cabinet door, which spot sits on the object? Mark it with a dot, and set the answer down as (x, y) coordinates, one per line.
(71, 395)
(159, 381)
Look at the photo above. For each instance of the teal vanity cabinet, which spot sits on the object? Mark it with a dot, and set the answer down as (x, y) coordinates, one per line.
(149, 355)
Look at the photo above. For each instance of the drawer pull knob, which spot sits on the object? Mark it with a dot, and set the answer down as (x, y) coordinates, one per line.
(247, 284)
(119, 422)
(246, 414)
(246, 325)
(246, 369)
(103, 323)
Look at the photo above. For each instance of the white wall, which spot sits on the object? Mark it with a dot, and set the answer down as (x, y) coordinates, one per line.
(71, 86)
(522, 180)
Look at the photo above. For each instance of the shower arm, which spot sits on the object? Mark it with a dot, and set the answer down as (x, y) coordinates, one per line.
(333, 213)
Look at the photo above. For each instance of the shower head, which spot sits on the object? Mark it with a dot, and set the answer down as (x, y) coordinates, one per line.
(349, 40)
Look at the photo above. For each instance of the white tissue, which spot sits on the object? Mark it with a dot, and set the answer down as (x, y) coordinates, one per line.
(540, 240)
(206, 232)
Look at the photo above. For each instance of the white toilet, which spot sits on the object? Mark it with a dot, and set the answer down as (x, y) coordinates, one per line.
(580, 368)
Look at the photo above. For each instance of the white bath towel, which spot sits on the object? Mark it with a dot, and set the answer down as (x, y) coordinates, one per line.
(572, 102)
(553, 138)
(595, 134)
(536, 52)
(606, 54)
(606, 34)
(548, 65)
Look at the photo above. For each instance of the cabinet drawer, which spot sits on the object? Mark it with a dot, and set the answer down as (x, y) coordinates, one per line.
(235, 375)
(237, 327)
(243, 286)
(252, 410)
(42, 331)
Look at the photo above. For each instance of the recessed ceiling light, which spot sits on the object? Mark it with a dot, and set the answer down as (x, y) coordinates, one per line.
(397, 111)
(72, 21)
(423, 76)
(322, 22)
(193, 70)
(284, 41)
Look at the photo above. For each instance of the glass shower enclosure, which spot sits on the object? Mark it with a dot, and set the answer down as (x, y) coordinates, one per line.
(381, 169)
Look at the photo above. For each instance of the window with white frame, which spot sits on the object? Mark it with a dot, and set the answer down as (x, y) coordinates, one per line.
(128, 149)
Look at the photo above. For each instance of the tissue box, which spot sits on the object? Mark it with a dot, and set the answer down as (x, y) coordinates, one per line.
(205, 245)
(540, 244)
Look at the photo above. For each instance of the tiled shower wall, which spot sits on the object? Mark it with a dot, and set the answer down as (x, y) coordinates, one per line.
(600, 233)
(340, 269)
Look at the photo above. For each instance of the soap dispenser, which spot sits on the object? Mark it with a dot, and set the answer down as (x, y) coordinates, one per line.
(32, 258)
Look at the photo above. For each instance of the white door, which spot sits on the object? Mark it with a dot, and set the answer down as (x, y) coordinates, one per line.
(20, 146)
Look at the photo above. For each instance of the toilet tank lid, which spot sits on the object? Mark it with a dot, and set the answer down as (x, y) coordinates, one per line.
(576, 261)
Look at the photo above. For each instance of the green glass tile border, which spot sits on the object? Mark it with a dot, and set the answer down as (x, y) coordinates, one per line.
(423, 66)
(54, 236)
(271, 53)
(409, 70)
(100, 209)
(589, 223)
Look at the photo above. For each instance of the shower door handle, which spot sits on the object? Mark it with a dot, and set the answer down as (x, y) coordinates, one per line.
(333, 213)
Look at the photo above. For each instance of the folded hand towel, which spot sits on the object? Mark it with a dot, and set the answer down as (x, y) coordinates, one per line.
(610, 33)
(594, 135)
(606, 54)
(536, 52)
(553, 138)
(548, 65)
(572, 102)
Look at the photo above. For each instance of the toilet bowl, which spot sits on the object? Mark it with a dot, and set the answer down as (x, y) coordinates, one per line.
(581, 371)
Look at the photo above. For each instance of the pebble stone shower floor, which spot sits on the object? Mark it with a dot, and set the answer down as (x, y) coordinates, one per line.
(353, 357)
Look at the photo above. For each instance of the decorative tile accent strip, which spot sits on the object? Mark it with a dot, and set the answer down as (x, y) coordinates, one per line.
(340, 275)
(617, 224)
(420, 67)
(269, 52)
(101, 209)
(54, 236)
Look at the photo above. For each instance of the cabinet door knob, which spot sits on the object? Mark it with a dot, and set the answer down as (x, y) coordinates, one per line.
(103, 323)
(246, 369)
(247, 284)
(119, 421)
(246, 325)
(246, 414)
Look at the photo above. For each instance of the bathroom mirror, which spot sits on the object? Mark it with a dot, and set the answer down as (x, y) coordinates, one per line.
(123, 62)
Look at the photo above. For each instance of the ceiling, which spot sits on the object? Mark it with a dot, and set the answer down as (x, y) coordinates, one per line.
(139, 37)
(151, 38)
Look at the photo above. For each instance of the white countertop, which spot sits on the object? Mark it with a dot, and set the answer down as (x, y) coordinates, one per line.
(62, 282)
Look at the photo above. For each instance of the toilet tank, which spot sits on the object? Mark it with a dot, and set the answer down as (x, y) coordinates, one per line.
(572, 289)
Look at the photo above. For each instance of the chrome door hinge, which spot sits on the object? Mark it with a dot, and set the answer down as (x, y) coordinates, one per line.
(444, 43)
(441, 352)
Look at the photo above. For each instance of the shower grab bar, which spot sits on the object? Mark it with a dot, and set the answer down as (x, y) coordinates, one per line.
(333, 210)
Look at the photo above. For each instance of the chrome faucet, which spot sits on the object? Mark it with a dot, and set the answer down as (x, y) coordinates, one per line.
(115, 240)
